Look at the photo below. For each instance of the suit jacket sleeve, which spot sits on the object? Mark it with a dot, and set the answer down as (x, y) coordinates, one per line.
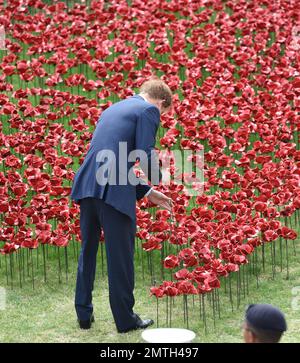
(146, 129)
(141, 190)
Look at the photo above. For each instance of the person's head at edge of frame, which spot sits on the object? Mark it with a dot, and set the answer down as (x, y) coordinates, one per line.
(263, 323)
(158, 93)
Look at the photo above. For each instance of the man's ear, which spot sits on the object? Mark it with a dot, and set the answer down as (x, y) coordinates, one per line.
(160, 102)
(169, 109)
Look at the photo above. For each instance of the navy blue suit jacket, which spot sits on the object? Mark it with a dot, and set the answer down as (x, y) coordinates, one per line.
(133, 121)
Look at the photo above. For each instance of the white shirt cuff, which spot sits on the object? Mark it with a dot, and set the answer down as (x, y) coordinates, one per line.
(149, 191)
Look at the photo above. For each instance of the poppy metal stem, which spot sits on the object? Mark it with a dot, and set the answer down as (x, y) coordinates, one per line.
(66, 262)
(187, 313)
(143, 269)
(200, 308)
(19, 265)
(204, 315)
(23, 263)
(27, 260)
(11, 270)
(157, 312)
(44, 260)
(287, 259)
(171, 299)
(213, 307)
(263, 256)
(59, 265)
(6, 270)
(73, 243)
(281, 254)
(230, 292)
(32, 268)
(37, 258)
(167, 311)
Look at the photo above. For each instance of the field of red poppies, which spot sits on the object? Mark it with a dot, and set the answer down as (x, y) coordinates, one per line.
(234, 69)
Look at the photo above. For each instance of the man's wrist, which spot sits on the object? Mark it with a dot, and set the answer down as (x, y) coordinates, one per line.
(149, 191)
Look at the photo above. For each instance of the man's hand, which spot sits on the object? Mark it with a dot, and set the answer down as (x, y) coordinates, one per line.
(160, 199)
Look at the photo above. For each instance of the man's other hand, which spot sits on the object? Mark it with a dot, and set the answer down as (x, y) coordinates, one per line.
(160, 200)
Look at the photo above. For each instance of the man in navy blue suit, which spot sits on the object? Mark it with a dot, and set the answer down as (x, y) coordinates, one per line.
(106, 188)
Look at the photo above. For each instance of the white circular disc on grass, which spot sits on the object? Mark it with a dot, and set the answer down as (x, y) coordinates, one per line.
(168, 335)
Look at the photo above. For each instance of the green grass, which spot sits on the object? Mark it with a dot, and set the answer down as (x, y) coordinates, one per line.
(46, 313)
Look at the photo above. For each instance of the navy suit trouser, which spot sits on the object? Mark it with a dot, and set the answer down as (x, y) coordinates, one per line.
(119, 234)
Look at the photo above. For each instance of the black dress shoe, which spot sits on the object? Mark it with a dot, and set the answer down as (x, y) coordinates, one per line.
(140, 324)
(86, 324)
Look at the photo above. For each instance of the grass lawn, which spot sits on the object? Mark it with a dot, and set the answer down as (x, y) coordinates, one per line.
(46, 313)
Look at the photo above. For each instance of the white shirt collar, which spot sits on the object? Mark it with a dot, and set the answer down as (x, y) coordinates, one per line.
(145, 100)
(142, 97)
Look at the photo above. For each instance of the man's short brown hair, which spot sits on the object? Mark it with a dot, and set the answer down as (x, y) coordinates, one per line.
(158, 90)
